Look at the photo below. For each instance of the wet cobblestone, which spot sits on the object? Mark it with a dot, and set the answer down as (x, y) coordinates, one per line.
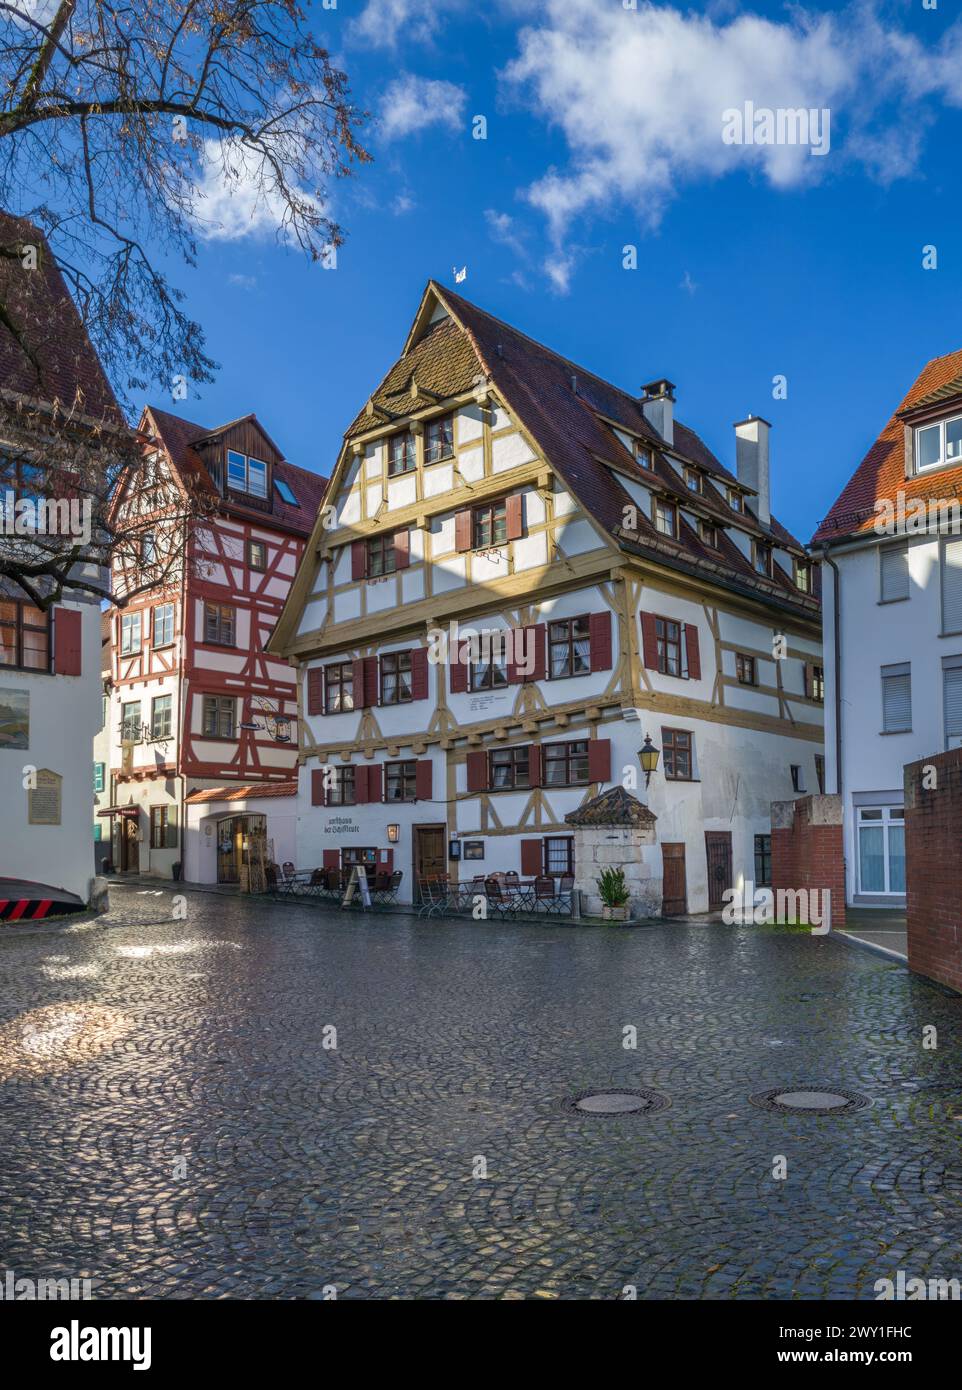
(172, 1124)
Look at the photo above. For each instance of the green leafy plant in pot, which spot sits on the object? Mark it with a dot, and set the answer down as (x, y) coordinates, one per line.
(614, 894)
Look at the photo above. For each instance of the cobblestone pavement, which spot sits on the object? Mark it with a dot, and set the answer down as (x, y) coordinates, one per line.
(172, 1124)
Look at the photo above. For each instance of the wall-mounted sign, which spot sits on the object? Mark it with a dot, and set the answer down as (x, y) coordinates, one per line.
(454, 849)
(14, 719)
(45, 799)
(474, 849)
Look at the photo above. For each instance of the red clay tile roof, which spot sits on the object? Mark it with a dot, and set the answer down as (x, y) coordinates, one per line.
(569, 421)
(38, 303)
(244, 793)
(178, 437)
(881, 474)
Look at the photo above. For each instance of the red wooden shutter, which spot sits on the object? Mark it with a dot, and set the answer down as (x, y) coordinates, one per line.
(512, 512)
(534, 765)
(419, 673)
(317, 787)
(331, 858)
(691, 647)
(538, 638)
(358, 559)
(477, 772)
(357, 683)
(67, 628)
(315, 690)
(517, 654)
(370, 681)
(532, 858)
(423, 782)
(375, 783)
(649, 640)
(458, 657)
(462, 530)
(361, 797)
(809, 679)
(402, 549)
(599, 760)
(599, 626)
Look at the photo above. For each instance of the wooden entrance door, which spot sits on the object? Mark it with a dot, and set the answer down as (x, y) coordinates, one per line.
(718, 851)
(430, 856)
(674, 892)
(130, 844)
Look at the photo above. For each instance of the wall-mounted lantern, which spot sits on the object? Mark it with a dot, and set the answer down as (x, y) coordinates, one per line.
(648, 756)
(393, 834)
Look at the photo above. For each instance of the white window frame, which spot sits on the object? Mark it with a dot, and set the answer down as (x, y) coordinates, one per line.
(897, 672)
(942, 461)
(886, 821)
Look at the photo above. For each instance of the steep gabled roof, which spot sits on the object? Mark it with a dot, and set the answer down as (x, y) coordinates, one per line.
(881, 474)
(180, 437)
(47, 320)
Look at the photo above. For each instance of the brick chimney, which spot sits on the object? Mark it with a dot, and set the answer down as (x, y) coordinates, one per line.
(658, 405)
(751, 462)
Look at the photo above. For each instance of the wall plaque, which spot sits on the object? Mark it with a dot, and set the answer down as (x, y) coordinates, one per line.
(44, 800)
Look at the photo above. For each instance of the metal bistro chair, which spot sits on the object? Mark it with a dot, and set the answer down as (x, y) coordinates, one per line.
(565, 893)
(498, 900)
(545, 895)
(433, 894)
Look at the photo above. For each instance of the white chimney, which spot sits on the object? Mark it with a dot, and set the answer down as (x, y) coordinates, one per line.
(751, 462)
(658, 405)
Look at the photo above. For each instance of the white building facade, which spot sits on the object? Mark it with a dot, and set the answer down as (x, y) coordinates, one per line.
(620, 584)
(892, 603)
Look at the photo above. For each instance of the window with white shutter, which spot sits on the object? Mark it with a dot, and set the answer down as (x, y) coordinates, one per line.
(952, 585)
(896, 699)
(894, 572)
(952, 700)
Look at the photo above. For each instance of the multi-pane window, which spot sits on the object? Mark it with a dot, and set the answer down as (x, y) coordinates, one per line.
(490, 525)
(401, 453)
(707, 534)
(558, 855)
(339, 687)
(666, 519)
(396, 678)
(894, 572)
(401, 781)
(130, 633)
(341, 790)
(161, 713)
(219, 712)
(257, 555)
(676, 753)
(939, 443)
(163, 827)
(881, 849)
(734, 500)
(566, 764)
(761, 558)
(24, 636)
(745, 669)
(439, 439)
(668, 634)
(381, 556)
(803, 577)
(643, 455)
(818, 683)
(569, 647)
(99, 775)
(163, 625)
(148, 548)
(130, 722)
(490, 670)
(897, 698)
(220, 622)
(692, 480)
(763, 861)
(246, 474)
(508, 767)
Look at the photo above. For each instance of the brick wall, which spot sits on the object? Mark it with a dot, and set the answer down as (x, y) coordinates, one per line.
(807, 849)
(933, 866)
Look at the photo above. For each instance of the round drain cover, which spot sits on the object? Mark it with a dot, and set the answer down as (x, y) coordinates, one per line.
(617, 1102)
(808, 1098)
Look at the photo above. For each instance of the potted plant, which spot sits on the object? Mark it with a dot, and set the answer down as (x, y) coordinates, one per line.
(614, 894)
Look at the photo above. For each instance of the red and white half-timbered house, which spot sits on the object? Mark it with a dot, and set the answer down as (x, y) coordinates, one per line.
(203, 721)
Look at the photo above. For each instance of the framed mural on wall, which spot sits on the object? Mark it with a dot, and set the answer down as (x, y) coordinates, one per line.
(14, 719)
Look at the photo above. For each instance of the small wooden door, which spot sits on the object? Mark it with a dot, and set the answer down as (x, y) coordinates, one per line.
(718, 851)
(674, 891)
(130, 844)
(430, 853)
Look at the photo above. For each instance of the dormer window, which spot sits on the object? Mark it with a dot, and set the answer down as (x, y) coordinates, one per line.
(692, 480)
(938, 444)
(246, 474)
(666, 519)
(707, 534)
(803, 577)
(762, 558)
(401, 453)
(642, 454)
(734, 500)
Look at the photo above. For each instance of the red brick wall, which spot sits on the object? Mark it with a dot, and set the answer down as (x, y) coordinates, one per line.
(808, 850)
(933, 867)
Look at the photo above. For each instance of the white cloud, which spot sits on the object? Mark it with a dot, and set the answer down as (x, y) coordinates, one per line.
(415, 103)
(235, 195)
(384, 22)
(639, 97)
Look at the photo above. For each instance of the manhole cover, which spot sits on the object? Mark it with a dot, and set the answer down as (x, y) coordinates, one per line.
(618, 1102)
(810, 1097)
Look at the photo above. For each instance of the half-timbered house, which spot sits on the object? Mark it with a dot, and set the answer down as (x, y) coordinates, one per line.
(199, 708)
(637, 588)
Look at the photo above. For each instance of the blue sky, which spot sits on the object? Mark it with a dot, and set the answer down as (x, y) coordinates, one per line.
(603, 131)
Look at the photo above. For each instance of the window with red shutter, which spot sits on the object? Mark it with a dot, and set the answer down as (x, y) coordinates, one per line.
(375, 783)
(599, 626)
(534, 765)
(529, 662)
(532, 858)
(691, 647)
(361, 797)
(458, 658)
(67, 634)
(477, 764)
(462, 530)
(424, 780)
(402, 549)
(370, 681)
(315, 690)
(419, 673)
(649, 640)
(331, 858)
(513, 516)
(317, 787)
(358, 559)
(599, 760)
